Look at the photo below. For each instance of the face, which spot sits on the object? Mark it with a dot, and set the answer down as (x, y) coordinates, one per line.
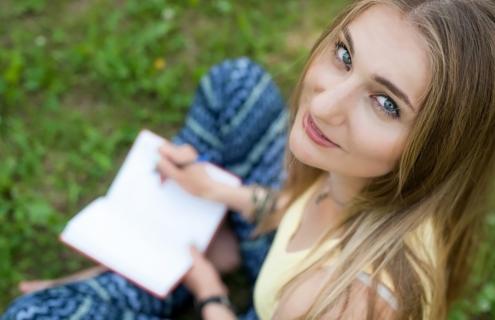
(362, 92)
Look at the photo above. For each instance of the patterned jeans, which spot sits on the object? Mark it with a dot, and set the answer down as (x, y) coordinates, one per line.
(239, 120)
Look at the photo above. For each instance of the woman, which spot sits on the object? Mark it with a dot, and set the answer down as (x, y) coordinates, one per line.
(390, 167)
(390, 162)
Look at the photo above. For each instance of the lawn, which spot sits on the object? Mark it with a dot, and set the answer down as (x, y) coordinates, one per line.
(79, 79)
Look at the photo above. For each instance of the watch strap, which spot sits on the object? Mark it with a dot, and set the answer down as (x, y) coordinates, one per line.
(220, 299)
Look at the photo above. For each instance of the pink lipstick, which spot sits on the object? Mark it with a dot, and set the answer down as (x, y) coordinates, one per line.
(315, 134)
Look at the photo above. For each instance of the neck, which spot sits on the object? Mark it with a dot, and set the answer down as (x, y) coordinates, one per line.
(341, 189)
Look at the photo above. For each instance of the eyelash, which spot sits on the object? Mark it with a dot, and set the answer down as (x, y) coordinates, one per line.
(394, 114)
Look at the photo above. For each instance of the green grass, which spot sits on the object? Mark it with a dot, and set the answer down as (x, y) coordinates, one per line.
(79, 79)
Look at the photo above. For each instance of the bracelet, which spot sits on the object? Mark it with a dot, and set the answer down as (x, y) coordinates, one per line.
(221, 299)
(264, 205)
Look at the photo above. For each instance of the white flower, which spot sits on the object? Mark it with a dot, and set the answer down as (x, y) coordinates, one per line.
(168, 14)
(40, 41)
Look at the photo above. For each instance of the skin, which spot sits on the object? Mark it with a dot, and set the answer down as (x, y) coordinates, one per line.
(347, 104)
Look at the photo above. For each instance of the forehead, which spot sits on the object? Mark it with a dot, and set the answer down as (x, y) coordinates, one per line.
(387, 44)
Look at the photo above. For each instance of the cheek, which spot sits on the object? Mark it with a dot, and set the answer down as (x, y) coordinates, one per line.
(376, 149)
(301, 146)
(297, 144)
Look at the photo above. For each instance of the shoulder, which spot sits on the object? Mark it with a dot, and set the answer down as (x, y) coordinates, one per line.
(296, 300)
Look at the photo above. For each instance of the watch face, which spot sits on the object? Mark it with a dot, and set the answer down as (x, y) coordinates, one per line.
(214, 299)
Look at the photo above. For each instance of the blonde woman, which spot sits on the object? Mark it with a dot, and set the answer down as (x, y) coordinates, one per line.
(390, 163)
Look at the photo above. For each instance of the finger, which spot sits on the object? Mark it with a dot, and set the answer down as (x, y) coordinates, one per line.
(168, 169)
(194, 257)
(189, 151)
(195, 253)
(179, 154)
(184, 154)
(166, 149)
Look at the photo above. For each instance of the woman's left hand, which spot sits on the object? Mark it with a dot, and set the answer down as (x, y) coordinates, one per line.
(203, 279)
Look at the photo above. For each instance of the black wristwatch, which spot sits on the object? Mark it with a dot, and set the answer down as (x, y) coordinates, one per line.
(221, 299)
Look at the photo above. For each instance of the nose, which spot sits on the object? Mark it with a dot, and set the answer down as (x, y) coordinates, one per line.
(334, 101)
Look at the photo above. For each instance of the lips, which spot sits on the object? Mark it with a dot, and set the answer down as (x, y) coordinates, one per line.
(315, 133)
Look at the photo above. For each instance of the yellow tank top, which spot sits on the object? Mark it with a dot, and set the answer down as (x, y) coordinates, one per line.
(279, 265)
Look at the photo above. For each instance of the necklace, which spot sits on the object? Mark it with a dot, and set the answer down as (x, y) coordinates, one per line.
(320, 197)
(323, 194)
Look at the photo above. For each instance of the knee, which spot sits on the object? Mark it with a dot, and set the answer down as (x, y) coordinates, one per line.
(224, 251)
(238, 68)
(52, 303)
(236, 74)
(233, 82)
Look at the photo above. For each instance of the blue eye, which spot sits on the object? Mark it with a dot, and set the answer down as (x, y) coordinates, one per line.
(388, 106)
(343, 54)
(385, 104)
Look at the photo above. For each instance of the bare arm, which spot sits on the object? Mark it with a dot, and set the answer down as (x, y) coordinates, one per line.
(194, 179)
(236, 198)
(35, 285)
(81, 275)
(217, 312)
(204, 282)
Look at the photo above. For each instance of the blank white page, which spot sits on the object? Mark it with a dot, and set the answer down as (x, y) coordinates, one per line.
(142, 229)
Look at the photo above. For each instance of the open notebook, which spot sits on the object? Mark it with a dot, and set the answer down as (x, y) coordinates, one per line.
(141, 228)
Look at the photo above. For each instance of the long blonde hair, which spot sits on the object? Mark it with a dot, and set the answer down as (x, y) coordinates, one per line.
(445, 174)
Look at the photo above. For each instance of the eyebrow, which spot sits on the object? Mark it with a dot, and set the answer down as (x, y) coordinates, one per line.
(381, 80)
